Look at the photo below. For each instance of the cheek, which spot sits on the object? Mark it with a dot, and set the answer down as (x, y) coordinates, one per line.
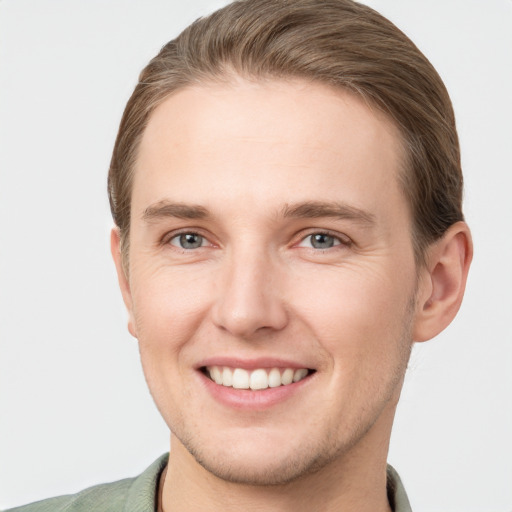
(358, 314)
(168, 306)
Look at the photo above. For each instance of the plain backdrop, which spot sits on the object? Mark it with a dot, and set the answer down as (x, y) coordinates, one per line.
(74, 408)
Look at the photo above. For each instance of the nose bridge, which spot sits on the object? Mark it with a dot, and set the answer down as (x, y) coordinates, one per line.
(249, 296)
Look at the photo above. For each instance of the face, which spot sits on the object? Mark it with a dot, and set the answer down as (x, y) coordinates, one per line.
(271, 276)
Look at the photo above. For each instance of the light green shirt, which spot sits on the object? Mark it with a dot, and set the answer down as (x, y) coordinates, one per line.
(140, 494)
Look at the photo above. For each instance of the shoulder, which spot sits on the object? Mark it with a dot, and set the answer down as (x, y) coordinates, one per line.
(396, 493)
(105, 497)
(131, 494)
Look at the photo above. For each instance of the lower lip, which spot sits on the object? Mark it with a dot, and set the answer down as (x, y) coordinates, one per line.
(254, 400)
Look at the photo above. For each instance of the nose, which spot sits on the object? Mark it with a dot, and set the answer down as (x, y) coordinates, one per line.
(249, 300)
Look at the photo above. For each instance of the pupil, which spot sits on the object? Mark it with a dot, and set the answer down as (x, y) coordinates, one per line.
(190, 241)
(322, 241)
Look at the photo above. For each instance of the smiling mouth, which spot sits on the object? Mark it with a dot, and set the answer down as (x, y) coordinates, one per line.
(257, 379)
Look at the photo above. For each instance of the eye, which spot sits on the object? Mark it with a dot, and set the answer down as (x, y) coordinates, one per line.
(188, 241)
(321, 241)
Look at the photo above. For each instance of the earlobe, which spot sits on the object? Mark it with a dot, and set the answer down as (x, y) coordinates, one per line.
(124, 283)
(442, 287)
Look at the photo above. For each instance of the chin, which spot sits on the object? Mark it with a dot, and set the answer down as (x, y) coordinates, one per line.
(262, 463)
(260, 472)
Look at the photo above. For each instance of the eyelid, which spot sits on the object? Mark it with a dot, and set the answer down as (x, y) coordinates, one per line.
(343, 239)
(167, 237)
(204, 241)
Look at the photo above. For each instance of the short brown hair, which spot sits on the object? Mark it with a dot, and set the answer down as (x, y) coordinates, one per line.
(336, 42)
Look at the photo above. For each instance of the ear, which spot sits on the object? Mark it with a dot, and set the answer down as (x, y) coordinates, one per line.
(124, 283)
(443, 281)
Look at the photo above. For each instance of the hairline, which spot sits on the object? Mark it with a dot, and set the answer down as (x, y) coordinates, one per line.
(228, 76)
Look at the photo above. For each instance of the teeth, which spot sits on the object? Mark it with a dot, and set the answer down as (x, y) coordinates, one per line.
(240, 379)
(216, 375)
(227, 377)
(274, 378)
(299, 374)
(287, 377)
(260, 378)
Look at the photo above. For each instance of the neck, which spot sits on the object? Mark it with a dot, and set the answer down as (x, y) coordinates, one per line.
(354, 481)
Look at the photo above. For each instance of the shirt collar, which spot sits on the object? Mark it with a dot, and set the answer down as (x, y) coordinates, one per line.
(396, 493)
(143, 493)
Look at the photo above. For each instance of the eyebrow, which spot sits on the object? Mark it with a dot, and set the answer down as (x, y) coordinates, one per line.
(163, 209)
(321, 209)
(303, 210)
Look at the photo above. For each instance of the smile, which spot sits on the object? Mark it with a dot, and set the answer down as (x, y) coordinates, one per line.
(257, 379)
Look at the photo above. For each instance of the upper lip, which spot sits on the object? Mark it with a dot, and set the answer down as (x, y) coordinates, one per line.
(252, 363)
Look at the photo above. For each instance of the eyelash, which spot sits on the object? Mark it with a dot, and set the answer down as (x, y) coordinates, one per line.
(338, 240)
(167, 240)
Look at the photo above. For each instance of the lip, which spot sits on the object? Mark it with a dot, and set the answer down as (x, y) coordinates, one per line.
(252, 364)
(244, 399)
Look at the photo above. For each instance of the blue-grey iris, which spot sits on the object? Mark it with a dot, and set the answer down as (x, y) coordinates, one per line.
(191, 240)
(322, 241)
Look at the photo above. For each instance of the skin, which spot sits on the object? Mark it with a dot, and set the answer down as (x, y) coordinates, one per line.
(248, 156)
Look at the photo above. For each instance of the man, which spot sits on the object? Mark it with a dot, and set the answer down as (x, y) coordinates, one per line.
(286, 189)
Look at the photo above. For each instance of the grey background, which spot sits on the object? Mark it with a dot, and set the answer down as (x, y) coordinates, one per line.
(74, 408)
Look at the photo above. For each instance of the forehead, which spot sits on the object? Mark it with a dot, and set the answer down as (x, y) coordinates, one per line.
(269, 141)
